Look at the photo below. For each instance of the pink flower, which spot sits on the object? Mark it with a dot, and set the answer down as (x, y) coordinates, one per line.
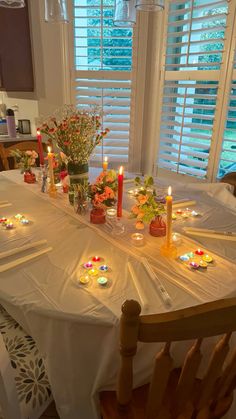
(28, 153)
(135, 209)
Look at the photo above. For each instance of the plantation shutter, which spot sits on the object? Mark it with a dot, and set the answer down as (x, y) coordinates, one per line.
(195, 36)
(228, 153)
(103, 61)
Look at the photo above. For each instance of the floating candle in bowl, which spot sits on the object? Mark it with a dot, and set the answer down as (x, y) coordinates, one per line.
(103, 268)
(184, 258)
(199, 252)
(9, 226)
(24, 221)
(84, 279)
(194, 265)
(93, 272)
(207, 258)
(88, 265)
(137, 239)
(96, 259)
(102, 280)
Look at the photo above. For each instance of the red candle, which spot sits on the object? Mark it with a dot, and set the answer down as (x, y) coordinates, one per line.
(120, 192)
(199, 252)
(40, 147)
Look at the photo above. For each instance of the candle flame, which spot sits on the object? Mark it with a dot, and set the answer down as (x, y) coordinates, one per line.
(121, 170)
(38, 131)
(105, 158)
(169, 190)
(49, 149)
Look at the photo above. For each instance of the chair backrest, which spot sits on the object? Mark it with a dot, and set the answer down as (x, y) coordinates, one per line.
(216, 387)
(231, 179)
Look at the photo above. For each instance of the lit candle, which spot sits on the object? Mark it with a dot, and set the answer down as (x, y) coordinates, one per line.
(40, 147)
(169, 201)
(93, 272)
(88, 265)
(96, 259)
(19, 216)
(84, 279)
(203, 264)
(103, 268)
(199, 252)
(207, 258)
(102, 280)
(3, 220)
(120, 192)
(52, 188)
(24, 221)
(105, 163)
(137, 239)
(190, 254)
(174, 216)
(184, 258)
(9, 226)
(194, 265)
(194, 213)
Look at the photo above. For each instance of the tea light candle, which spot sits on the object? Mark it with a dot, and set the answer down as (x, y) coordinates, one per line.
(19, 217)
(102, 280)
(93, 272)
(84, 279)
(9, 226)
(199, 252)
(137, 239)
(88, 265)
(207, 258)
(184, 258)
(3, 220)
(176, 239)
(96, 259)
(194, 214)
(203, 264)
(111, 212)
(174, 216)
(103, 268)
(190, 255)
(179, 211)
(24, 221)
(194, 265)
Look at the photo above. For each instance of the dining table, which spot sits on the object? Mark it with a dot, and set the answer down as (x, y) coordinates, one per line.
(76, 325)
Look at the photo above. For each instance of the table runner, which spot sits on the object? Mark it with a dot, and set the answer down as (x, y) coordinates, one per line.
(56, 312)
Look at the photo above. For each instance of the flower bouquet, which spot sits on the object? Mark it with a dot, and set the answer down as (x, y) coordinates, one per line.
(26, 160)
(102, 194)
(76, 132)
(147, 209)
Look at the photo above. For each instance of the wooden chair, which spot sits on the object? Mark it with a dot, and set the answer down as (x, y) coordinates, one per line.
(175, 393)
(24, 388)
(231, 179)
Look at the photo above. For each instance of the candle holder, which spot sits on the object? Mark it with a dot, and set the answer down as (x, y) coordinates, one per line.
(52, 191)
(168, 250)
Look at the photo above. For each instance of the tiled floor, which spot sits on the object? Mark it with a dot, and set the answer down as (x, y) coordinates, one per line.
(50, 412)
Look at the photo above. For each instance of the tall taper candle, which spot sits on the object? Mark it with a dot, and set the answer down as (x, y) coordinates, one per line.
(52, 188)
(40, 147)
(120, 192)
(169, 201)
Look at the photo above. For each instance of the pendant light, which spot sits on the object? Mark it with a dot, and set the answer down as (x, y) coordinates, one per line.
(125, 13)
(56, 11)
(12, 4)
(149, 5)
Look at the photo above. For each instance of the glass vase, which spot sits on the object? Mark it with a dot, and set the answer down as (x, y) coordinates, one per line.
(78, 174)
(157, 227)
(97, 216)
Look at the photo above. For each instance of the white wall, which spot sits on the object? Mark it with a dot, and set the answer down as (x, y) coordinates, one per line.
(48, 56)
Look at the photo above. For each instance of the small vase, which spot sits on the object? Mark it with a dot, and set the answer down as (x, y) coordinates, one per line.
(78, 174)
(97, 216)
(29, 177)
(157, 227)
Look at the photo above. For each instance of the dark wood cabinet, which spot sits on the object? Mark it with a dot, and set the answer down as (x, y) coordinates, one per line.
(16, 69)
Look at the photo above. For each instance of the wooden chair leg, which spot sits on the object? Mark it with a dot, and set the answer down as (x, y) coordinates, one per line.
(4, 157)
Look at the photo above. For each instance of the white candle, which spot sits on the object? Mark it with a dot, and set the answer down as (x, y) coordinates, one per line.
(137, 239)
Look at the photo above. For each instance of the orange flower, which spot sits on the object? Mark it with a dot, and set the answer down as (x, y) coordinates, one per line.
(139, 225)
(142, 199)
(135, 209)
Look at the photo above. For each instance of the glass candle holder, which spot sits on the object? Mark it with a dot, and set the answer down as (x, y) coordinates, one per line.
(137, 239)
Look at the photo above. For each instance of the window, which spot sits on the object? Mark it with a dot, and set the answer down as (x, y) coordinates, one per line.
(103, 64)
(195, 82)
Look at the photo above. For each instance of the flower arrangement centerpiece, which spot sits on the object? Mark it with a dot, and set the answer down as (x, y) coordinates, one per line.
(102, 194)
(76, 132)
(147, 209)
(26, 160)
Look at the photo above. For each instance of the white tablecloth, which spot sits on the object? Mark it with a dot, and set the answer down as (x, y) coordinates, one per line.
(77, 328)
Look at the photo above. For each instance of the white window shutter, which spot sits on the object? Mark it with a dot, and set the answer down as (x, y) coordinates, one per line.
(103, 62)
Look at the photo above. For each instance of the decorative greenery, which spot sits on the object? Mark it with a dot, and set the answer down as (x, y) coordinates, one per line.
(25, 159)
(103, 192)
(146, 207)
(76, 132)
